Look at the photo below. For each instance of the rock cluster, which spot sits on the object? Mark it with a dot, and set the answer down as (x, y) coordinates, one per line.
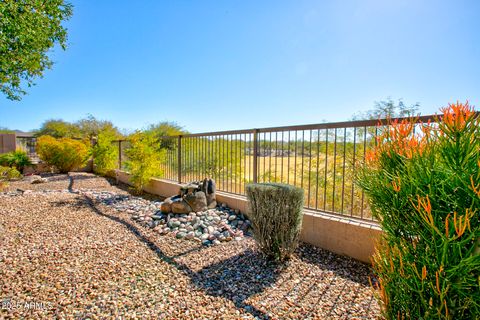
(210, 226)
(35, 179)
(193, 197)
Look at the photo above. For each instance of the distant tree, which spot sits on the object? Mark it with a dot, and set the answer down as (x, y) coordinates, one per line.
(388, 109)
(6, 130)
(58, 128)
(91, 127)
(28, 30)
(163, 129)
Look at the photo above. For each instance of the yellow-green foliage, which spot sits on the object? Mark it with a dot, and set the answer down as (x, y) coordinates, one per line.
(276, 215)
(424, 188)
(8, 173)
(105, 153)
(64, 154)
(144, 158)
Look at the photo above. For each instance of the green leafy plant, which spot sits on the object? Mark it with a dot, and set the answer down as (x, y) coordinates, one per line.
(105, 153)
(276, 213)
(17, 159)
(144, 158)
(64, 154)
(424, 188)
(8, 173)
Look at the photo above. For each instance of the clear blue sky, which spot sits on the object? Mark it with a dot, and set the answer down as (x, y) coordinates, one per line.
(215, 65)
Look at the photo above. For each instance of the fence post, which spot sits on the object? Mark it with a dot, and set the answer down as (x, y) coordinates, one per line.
(119, 154)
(255, 155)
(179, 159)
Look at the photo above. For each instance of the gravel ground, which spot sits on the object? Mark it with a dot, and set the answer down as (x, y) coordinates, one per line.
(64, 255)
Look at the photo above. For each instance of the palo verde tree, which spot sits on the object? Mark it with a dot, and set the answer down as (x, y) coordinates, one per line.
(28, 30)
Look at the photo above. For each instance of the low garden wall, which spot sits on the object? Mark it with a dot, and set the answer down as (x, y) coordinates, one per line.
(346, 236)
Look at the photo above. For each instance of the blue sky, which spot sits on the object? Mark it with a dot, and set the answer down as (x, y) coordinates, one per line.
(217, 65)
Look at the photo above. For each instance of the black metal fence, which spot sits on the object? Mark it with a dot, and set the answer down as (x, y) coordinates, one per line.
(320, 158)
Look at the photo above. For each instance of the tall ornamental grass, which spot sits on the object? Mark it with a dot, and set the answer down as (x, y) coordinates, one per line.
(424, 188)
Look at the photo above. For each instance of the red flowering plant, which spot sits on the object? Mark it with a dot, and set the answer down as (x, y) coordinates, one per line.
(424, 188)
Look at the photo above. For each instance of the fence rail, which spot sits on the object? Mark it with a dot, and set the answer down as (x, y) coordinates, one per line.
(320, 158)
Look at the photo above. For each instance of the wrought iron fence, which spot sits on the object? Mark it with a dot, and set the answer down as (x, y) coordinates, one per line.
(320, 158)
(28, 144)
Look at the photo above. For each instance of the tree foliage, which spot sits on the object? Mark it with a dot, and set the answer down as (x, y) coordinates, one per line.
(58, 128)
(388, 109)
(86, 128)
(28, 30)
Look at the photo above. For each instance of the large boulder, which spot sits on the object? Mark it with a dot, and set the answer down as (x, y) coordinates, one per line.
(180, 206)
(197, 201)
(209, 188)
(166, 206)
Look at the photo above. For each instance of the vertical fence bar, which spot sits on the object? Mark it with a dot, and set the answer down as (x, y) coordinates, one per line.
(354, 167)
(318, 163)
(343, 169)
(334, 169)
(309, 167)
(179, 178)
(255, 154)
(119, 154)
(326, 172)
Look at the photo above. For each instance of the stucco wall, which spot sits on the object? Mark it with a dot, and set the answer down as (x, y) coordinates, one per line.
(349, 237)
(7, 143)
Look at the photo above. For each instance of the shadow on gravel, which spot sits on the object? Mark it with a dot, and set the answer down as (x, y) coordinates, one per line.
(244, 275)
(344, 267)
(239, 278)
(216, 279)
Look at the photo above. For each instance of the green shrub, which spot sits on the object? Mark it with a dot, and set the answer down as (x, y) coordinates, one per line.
(64, 154)
(144, 158)
(17, 159)
(424, 187)
(8, 173)
(105, 153)
(276, 213)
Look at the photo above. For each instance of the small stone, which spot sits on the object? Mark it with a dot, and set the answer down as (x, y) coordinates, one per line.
(204, 236)
(238, 238)
(216, 242)
(232, 217)
(181, 235)
(190, 235)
